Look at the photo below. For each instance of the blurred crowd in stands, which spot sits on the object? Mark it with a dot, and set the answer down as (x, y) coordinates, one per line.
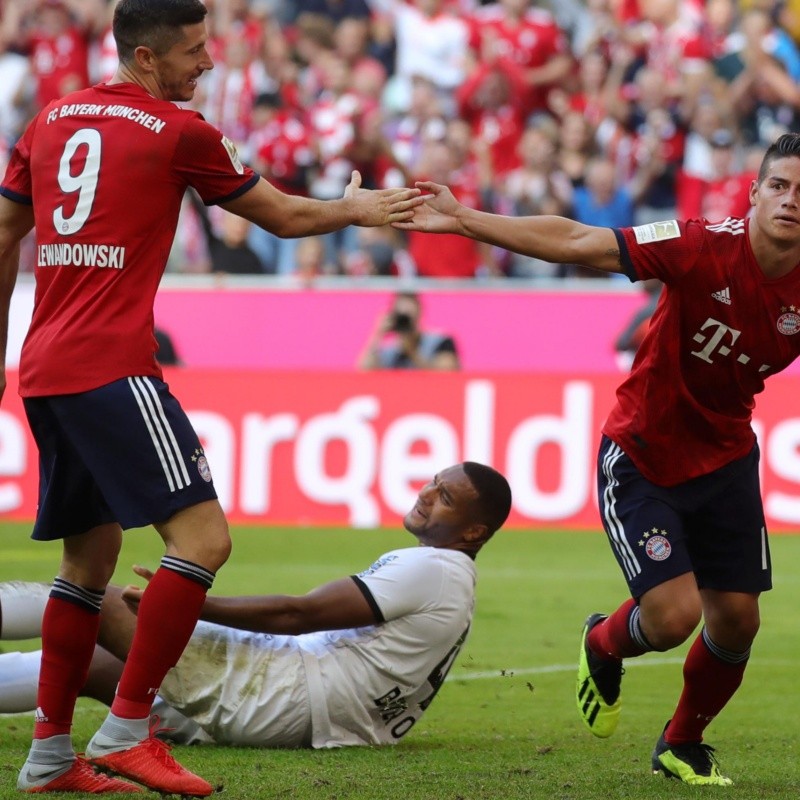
(613, 112)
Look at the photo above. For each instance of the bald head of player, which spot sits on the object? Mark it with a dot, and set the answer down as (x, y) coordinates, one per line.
(161, 46)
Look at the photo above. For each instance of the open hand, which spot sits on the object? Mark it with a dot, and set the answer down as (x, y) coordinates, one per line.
(438, 213)
(381, 206)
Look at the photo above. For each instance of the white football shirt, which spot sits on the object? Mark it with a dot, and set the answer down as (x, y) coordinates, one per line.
(371, 685)
(360, 686)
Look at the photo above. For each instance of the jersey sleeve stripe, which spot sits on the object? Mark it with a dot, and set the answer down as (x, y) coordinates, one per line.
(369, 598)
(624, 256)
(15, 196)
(246, 186)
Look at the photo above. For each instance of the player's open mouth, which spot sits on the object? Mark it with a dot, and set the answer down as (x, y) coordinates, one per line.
(419, 511)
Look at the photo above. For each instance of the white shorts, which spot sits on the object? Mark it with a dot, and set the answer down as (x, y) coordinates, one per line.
(242, 688)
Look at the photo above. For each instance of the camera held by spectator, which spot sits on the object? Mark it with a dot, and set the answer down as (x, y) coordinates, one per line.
(398, 342)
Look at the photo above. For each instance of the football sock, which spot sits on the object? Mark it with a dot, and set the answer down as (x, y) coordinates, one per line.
(69, 632)
(620, 635)
(117, 733)
(22, 607)
(168, 613)
(711, 676)
(19, 681)
(49, 752)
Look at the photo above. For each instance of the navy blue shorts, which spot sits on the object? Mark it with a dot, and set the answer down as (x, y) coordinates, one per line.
(125, 453)
(712, 526)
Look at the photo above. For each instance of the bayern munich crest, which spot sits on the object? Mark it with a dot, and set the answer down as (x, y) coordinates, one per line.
(199, 458)
(658, 548)
(789, 321)
(204, 469)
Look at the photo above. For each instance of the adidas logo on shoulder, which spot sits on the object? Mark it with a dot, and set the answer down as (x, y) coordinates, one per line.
(723, 295)
(730, 225)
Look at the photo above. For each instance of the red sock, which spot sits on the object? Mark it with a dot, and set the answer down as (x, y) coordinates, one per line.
(69, 634)
(168, 613)
(612, 638)
(708, 683)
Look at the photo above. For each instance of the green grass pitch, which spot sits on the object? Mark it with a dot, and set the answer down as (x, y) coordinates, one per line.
(504, 725)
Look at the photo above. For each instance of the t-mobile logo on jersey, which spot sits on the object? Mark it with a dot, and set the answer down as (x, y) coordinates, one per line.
(719, 341)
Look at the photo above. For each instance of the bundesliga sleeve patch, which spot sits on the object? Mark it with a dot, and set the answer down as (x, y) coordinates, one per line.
(230, 147)
(657, 232)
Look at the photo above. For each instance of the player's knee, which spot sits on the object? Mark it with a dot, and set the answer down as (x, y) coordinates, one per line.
(671, 628)
(211, 550)
(199, 534)
(222, 548)
(733, 628)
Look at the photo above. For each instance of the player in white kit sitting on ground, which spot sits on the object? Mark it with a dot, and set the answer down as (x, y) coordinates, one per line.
(353, 662)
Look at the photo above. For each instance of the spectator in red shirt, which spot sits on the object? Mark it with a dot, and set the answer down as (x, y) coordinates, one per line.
(447, 256)
(492, 100)
(672, 41)
(725, 194)
(56, 34)
(528, 36)
(281, 149)
(590, 96)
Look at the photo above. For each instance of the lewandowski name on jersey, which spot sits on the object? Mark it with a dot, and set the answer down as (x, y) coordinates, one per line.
(80, 255)
(137, 115)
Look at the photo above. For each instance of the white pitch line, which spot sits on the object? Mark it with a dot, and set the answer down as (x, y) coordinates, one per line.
(550, 668)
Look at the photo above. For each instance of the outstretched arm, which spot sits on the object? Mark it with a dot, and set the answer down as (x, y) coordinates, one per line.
(336, 605)
(332, 606)
(290, 216)
(554, 239)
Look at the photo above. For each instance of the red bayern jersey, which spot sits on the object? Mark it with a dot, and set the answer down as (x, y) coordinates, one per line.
(284, 151)
(60, 64)
(449, 255)
(715, 199)
(529, 42)
(106, 169)
(720, 329)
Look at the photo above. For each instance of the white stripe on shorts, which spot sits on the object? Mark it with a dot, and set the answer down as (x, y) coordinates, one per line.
(164, 442)
(613, 525)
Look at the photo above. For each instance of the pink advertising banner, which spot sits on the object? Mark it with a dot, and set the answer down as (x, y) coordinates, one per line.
(320, 329)
(323, 448)
(498, 331)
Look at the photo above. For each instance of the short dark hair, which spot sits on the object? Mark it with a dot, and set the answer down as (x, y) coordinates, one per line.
(153, 23)
(494, 493)
(783, 147)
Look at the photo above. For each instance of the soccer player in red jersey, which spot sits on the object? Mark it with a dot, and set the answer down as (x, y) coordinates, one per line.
(678, 481)
(101, 173)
